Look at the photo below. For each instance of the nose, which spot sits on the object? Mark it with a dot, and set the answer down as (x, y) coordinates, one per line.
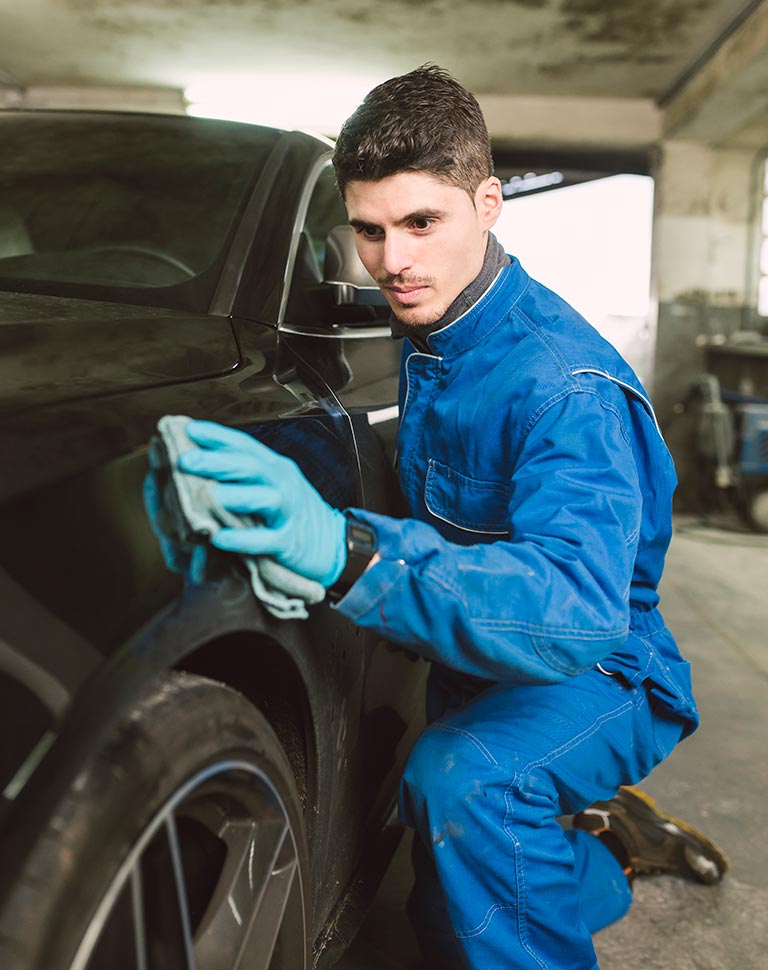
(396, 258)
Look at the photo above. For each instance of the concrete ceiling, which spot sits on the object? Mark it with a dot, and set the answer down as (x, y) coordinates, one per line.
(558, 49)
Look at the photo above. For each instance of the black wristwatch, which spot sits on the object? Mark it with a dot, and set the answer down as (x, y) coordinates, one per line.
(361, 546)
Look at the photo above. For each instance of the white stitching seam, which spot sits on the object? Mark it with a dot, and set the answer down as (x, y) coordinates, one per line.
(482, 927)
(429, 487)
(438, 725)
(628, 387)
(522, 925)
(573, 742)
(551, 756)
(480, 302)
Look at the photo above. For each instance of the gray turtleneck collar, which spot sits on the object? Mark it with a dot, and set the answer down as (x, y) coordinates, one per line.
(417, 333)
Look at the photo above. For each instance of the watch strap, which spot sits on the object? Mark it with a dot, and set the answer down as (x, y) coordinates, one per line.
(361, 544)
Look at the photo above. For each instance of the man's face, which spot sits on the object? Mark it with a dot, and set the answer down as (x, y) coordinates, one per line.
(422, 240)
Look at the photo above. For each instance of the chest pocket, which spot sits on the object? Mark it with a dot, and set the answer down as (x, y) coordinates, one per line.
(465, 502)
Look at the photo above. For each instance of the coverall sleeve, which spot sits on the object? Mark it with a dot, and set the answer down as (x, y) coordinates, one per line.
(552, 599)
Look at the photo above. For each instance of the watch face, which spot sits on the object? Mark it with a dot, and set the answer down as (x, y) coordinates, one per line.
(360, 536)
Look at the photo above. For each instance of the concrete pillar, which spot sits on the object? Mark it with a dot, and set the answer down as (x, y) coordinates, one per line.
(714, 133)
(706, 203)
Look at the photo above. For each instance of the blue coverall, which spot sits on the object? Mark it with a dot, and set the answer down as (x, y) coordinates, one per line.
(540, 490)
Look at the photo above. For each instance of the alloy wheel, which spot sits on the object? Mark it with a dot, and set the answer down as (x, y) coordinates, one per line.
(214, 882)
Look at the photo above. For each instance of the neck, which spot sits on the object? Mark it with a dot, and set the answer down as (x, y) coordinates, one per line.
(417, 333)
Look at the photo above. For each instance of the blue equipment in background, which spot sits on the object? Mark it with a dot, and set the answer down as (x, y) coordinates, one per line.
(733, 440)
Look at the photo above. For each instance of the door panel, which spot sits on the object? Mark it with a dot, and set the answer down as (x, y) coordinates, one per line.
(360, 365)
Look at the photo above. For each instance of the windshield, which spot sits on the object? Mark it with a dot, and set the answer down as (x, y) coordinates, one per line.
(128, 208)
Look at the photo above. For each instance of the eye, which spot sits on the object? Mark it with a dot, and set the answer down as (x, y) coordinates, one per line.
(422, 223)
(369, 232)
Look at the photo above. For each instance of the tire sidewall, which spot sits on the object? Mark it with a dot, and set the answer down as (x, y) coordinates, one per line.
(183, 725)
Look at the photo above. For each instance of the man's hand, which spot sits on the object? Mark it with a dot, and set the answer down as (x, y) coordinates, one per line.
(300, 529)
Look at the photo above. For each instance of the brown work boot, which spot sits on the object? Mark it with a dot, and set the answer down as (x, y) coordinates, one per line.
(652, 840)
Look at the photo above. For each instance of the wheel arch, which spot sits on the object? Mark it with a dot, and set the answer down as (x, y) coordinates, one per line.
(216, 632)
(275, 687)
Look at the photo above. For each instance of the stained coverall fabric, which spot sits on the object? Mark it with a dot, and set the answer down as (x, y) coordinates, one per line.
(595, 867)
(484, 787)
(540, 492)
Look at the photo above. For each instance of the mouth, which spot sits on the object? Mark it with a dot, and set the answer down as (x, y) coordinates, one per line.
(406, 294)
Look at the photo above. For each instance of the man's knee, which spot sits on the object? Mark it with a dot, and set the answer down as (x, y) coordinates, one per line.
(446, 767)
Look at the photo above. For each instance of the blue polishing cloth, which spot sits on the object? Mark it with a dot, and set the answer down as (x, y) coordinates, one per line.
(185, 516)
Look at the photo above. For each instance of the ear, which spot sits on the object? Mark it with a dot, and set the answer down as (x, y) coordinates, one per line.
(488, 202)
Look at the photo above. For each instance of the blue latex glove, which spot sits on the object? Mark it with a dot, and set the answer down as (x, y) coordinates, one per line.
(300, 529)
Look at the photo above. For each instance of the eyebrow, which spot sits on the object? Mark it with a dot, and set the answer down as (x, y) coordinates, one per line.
(410, 217)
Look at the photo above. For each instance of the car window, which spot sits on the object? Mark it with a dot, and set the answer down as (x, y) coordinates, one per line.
(326, 210)
(132, 208)
(308, 302)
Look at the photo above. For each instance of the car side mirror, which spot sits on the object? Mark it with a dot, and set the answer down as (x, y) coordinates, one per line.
(343, 271)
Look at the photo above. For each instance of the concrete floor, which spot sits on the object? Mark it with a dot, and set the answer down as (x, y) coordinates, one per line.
(715, 599)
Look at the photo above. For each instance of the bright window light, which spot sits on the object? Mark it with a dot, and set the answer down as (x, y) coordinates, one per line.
(591, 243)
(319, 103)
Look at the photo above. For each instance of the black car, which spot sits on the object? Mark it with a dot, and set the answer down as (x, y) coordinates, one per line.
(187, 781)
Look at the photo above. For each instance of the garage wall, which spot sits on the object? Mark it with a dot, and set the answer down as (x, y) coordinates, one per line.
(706, 210)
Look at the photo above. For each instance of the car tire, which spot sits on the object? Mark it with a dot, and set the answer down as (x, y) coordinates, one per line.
(180, 844)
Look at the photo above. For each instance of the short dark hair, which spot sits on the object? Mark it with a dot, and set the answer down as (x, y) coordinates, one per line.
(423, 121)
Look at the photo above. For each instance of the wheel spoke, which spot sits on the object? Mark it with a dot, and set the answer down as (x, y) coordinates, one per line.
(214, 882)
(178, 874)
(139, 926)
(265, 930)
(252, 853)
(116, 942)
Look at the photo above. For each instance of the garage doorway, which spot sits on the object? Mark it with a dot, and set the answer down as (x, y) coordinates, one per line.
(588, 238)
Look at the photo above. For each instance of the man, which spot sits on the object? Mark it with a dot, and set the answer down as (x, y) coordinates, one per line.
(540, 492)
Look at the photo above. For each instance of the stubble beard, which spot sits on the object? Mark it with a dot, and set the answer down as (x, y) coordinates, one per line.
(408, 318)
(411, 316)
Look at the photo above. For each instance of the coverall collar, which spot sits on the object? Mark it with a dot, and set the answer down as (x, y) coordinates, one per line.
(483, 316)
(495, 258)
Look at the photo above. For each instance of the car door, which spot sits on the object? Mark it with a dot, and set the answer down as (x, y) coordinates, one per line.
(78, 545)
(359, 362)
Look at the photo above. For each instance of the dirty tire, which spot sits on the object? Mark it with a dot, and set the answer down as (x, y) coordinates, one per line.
(182, 838)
